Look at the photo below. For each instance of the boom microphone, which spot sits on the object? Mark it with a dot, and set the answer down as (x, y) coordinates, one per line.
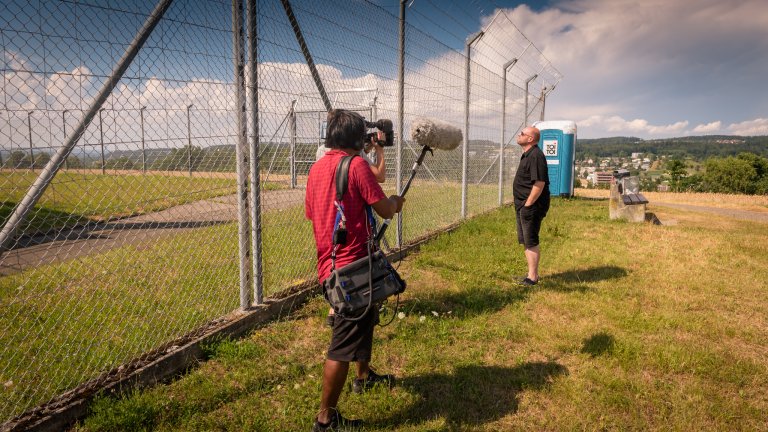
(435, 134)
(429, 134)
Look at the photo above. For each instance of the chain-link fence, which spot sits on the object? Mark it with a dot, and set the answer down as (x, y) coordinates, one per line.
(123, 158)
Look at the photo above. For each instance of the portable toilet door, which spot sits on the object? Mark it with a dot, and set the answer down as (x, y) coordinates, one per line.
(558, 142)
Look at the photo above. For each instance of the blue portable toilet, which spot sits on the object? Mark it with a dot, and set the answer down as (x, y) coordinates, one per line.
(558, 142)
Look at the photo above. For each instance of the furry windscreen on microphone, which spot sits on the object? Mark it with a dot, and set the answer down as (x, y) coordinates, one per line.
(435, 134)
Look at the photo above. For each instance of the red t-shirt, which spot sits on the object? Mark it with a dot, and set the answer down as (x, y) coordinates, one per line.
(362, 189)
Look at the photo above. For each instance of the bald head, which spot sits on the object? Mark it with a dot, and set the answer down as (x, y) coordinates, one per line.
(528, 136)
(534, 132)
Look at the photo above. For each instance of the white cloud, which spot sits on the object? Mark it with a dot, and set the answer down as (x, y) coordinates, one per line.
(656, 59)
(757, 126)
(68, 90)
(23, 90)
(709, 128)
(615, 125)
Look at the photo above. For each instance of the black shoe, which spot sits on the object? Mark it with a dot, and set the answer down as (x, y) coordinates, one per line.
(361, 385)
(529, 282)
(337, 424)
(330, 319)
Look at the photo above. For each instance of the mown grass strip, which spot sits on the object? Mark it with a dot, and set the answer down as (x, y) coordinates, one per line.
(633, 327)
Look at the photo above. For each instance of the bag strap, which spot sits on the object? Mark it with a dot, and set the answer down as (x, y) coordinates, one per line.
(342, 177)
(340, 221)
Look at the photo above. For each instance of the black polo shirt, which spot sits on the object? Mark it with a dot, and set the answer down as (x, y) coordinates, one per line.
(532, 168)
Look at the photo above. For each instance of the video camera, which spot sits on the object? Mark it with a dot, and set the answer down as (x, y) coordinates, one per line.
(384, 125)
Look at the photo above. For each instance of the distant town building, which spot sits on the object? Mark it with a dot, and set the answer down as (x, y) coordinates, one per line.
(602, 177)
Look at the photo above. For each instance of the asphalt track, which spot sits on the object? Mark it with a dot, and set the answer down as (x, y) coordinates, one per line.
(101, 237)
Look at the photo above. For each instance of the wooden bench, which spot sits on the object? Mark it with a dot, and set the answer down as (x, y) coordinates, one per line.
(629, 206)
(634, 199)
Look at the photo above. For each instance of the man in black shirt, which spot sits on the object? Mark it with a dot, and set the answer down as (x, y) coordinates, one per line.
(531, 192)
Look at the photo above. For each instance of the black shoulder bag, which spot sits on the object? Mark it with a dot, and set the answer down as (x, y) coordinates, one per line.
(368, 280)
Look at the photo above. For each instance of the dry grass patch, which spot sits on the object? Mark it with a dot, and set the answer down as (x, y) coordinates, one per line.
(758, 203)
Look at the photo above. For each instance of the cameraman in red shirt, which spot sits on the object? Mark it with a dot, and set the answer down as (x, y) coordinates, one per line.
(351, 341)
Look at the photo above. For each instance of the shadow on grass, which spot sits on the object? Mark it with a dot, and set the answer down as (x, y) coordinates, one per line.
(585, 198)
(41, 220)
(466, 303)
(578, 280)
(472, 395)
(598, 344)
(479, 300)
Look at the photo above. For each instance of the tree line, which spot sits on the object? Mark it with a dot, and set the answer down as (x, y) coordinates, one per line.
(179, 159)
(745, 173)
(696, 148)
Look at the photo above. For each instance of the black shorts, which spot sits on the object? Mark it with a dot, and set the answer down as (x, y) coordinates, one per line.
(528, 224)
(352, 341)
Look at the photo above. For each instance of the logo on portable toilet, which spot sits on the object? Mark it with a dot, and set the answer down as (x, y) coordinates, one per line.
(550, 148)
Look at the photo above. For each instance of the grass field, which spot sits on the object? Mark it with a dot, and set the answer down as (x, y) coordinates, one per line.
(65, 323)
(633, 327)
(75, 198)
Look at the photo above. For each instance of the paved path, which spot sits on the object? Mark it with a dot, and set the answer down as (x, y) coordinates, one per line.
(733, 213)
(99, 238)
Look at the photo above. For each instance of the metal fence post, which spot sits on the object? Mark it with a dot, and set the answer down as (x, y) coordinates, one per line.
(307, 54)
(189, 141)
(374, 109)
(400, 120)
(101, 134)
(253, 79)
(292, 149)
(528, 81)
(502, 143)
(31, 152)
(241, 152)
(545, 91)
(64, 128)
(465, 147)
(143, 149)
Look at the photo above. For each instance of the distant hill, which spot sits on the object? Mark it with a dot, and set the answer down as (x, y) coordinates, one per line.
(695, 147)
